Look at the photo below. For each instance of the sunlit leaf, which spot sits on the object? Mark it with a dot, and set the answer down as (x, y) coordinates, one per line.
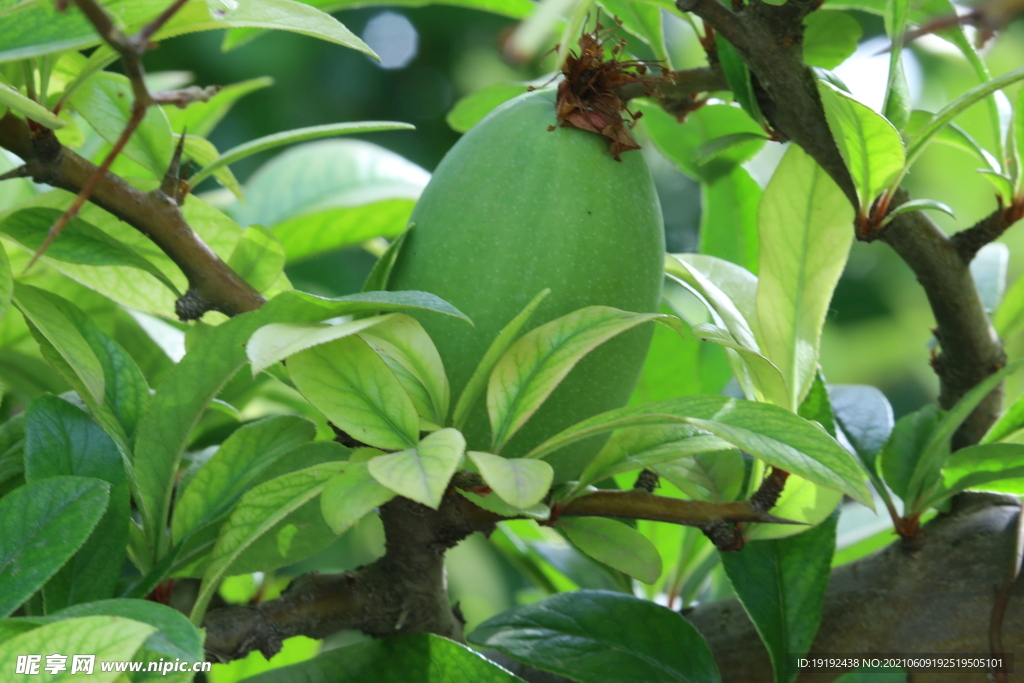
(422, 473)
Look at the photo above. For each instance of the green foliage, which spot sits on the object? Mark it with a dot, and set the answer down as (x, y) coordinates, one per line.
(781, 583)
(606, 636)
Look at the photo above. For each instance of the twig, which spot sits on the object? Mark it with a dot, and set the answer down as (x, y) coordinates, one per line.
(1002, 601)
(20, 172)
(131, 49)
(968, 242)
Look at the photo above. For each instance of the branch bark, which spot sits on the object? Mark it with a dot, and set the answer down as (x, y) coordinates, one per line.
(212, 284)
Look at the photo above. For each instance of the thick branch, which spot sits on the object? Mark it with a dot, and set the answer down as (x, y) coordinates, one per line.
(935, 600)
(211, 282)
(971, 350)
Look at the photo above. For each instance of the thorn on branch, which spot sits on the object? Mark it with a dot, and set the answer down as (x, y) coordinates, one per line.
(192, 305)
(171, 184)
(647, 481)
(20, 172)
(186, 96)
(767, 495)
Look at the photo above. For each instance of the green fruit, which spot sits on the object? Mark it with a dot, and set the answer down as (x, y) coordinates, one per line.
(514, 208)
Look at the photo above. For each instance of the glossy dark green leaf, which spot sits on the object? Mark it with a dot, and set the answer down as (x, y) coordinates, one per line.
(6, 282)
(411, 658)
(865, 416)
(62, 440)
(817, 406)
(781, 584)
(601, 637)
(12, 447)
(900, 455)
(42, 524)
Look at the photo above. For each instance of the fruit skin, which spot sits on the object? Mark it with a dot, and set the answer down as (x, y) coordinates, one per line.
(514, 208)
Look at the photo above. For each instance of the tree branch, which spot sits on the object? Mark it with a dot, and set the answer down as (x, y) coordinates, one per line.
(968, 242)
(213, 285)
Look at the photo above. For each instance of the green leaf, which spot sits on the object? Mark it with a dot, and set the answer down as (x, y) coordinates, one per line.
(802, 501)
(493, 503)
(639, 447)
(37, 308)
(407, 658)
(770, 386)
(534, 365)
(679, 142)
(190, 386)
(768, 432)
(351, 494)
(716, 476)
(473, 107)
(12, 448)
(954, 109)
(643, 20)
(256, 513)
(258, 258)
(42, 524)
(202, 152)
(277, 341)
(728, 221)
(6, 282)
(829, 38)
(615, 544)
(896, 104)
(80, 244)
(333, 193)
(105, 102)
(1009, 316)
(407, 349)
(865, 416)
(817, 406)
(519, 482)
(108, 638)
(952, 135)
(992, 467)
(865, 674)
(243, 456)
(713, 149)
(729, 291)
(602, 637)
(903, 449)
(738, 77)
(200, 118)
(356, 390)
(422, 473)
(10, 97)
(477, 382)
(175, 637)
(918, 205)
(781, 584)
(380, 274)
(62, 440)
(938, 447)
(291, 137)
(1010, 422)
(804, 228)
(871, 147)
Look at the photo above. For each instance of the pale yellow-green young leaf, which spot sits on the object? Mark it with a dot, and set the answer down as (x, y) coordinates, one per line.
(492, 503)
(615, 544)
(9, 97)
(801, 501)
(258, 257)
(108, 638)
(351, 494)
(422, 473)
(352, 386)
(870, 145)
(274, 342)
(519, 482)
(805, 230)
(408, 350)
(532, 367)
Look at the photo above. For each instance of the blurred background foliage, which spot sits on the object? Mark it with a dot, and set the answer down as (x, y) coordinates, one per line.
(878, 331)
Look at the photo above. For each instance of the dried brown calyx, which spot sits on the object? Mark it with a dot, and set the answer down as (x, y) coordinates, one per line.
(587, 98)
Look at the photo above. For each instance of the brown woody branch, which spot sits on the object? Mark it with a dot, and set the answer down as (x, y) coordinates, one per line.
(212, 284)
(990, 228)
